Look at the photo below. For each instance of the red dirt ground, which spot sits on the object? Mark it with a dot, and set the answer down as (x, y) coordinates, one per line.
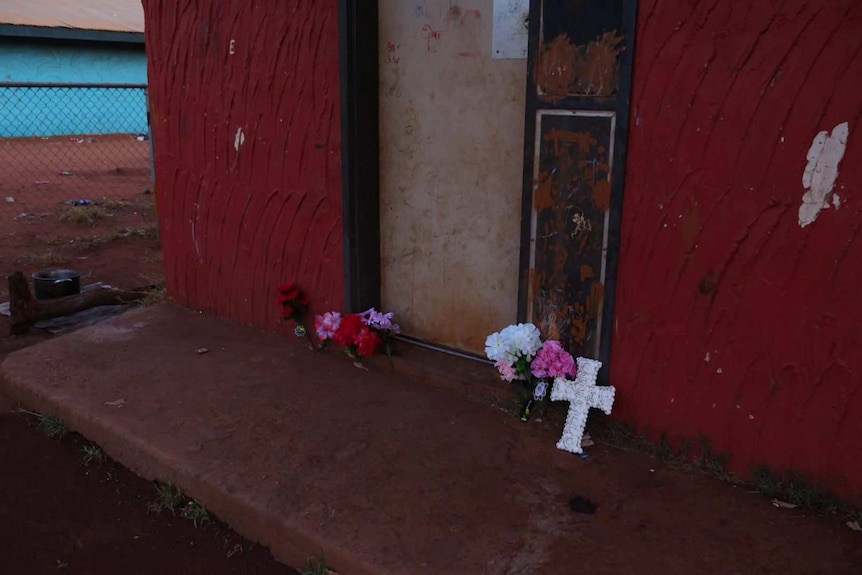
(58, 516)
(73, 167)
(53, 510)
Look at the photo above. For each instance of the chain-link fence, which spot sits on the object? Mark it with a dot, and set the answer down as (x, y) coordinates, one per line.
(66, 143)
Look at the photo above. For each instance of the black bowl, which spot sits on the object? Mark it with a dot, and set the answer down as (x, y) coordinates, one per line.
(50, 284)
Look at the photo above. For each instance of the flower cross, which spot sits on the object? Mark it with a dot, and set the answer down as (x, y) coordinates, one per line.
(582, 394)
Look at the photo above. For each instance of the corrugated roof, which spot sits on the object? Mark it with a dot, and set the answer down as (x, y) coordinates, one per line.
(103, 15)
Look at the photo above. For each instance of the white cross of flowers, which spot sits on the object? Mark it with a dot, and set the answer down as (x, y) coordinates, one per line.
(582, 394)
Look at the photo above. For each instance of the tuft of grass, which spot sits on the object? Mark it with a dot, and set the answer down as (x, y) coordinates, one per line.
(112, 204)
(147, 232)
(795, 489)
(48, 259)
(169, 497)
(317, 566)
(711, 462)
(93, 454)
(83, 215)
(197, 513)
(155, 295)
(51, 425)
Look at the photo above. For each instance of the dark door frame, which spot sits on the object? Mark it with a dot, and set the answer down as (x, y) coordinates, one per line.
(360, 148)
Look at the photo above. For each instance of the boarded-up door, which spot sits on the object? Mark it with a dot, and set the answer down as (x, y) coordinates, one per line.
(451, 155)
(577, 111)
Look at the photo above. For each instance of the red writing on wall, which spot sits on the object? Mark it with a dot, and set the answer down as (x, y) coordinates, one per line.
(431, 37)
(391, 57)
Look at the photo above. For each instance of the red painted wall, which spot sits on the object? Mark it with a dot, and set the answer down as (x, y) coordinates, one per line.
(236, 224)
(727, 99)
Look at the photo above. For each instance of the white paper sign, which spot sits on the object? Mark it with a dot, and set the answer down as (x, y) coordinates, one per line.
(510, 29)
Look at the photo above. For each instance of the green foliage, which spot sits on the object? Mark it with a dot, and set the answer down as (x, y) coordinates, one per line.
(317, 566)
(711, 462)
(795, 489)
(169, 497)
(51, 425)
(92, 454)
(198, 514)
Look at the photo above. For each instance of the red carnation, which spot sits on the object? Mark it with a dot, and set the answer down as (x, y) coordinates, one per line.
(367, 342)
(348, 330)
(287, 312)
(289, 291)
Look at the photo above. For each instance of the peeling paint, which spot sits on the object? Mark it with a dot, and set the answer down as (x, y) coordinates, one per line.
(239, 139)
(823, 157)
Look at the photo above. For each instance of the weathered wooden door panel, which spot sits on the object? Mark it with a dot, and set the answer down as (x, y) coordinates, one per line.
(577, 111)
(451, 149)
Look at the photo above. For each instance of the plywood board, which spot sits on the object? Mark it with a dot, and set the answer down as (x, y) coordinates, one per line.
(451, 128)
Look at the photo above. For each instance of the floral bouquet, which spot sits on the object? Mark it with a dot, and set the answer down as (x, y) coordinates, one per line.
(522, 359)
(383, 325)
(294, 306)
(360, 334)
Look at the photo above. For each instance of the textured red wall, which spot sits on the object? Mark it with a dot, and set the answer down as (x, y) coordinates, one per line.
(727, 99)
(236, 224)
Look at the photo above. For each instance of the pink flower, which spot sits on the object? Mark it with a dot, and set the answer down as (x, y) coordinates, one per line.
(327, 324)
(553, 361)
(507, 372)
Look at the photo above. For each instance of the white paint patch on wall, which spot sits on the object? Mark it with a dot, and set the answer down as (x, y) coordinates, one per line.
(239, 139)
(823, 157)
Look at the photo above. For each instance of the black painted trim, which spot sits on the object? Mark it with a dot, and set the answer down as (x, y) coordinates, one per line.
(529, 151)
(360, 154)
(12, 30)
(623, 109)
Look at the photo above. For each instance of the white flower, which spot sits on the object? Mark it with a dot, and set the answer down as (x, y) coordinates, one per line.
(515, 341)
(523, 339)
(497, 348)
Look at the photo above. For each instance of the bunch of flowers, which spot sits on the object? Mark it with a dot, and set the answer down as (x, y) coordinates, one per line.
(294, 306)
(383, 325)
(522, 359)
(360, 334)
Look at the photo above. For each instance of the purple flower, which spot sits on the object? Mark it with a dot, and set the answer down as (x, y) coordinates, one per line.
(380, 321)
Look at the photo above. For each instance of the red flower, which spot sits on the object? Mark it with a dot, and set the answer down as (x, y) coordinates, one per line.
(289, 291)
(287, 312)
(367, 342)
(348, 330)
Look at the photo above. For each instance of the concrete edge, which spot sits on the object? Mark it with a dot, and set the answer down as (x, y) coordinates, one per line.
(289, 543)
